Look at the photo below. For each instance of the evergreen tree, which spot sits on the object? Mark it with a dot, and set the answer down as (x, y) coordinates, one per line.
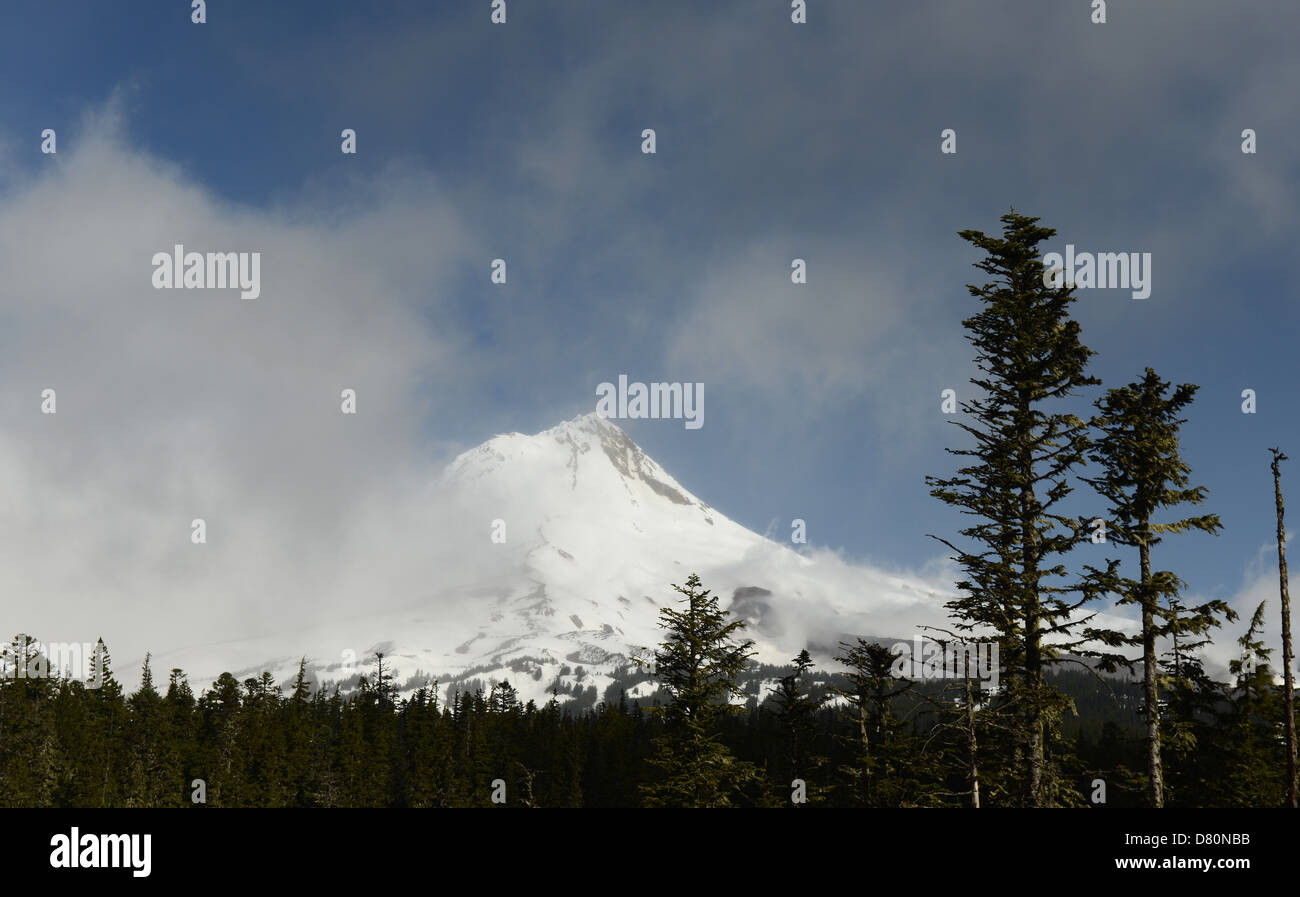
(877, 770)
(698, 665)
(108, 719)
(1030, 357)
(153, 762)
(1188, 735)
(368, 740)
(30, 760)
(385, 689)
(1143, 473)
(503, 698)
(796, 710)
(1233, 753)
(299, 734)
(1251, 770)
(262, 753)
(220, 720)
(179, 711)
(326, 715)
(960, 720)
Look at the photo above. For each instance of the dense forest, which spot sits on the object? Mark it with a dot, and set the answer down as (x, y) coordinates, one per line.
(1081, 715)
(854, 738)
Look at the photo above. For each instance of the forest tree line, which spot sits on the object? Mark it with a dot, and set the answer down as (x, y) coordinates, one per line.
(854, 737)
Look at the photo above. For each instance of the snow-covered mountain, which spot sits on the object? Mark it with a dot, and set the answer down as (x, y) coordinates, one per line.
(568, 543)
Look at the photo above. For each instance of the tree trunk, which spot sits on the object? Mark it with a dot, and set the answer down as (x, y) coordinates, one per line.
(1155, 778)
(971, 747)
(1033, 637)
(1034, 711)
(1287, 657)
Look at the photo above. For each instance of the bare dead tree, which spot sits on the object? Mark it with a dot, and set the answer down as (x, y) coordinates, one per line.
(1293, 788)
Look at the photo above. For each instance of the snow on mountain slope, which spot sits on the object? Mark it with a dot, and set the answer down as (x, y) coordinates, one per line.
(595, 534)
(593, 518)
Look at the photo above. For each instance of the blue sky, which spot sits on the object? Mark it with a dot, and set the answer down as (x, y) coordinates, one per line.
(775, 141)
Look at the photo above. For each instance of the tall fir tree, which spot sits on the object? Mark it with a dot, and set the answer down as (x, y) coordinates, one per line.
(109, 718)
(698, 664)
(1030, 358)
(1142, 474)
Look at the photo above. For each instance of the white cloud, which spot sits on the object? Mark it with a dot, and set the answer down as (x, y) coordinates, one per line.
(1259, 584)
(177, 404)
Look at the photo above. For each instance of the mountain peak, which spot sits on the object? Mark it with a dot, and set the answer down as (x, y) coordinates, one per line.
(588, 454)
(591, 422)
